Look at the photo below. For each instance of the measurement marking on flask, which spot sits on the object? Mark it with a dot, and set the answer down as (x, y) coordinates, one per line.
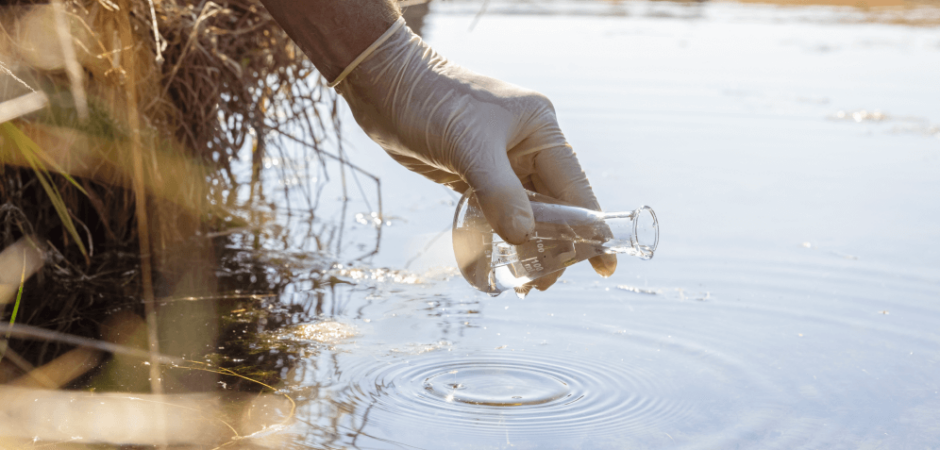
(532, 264)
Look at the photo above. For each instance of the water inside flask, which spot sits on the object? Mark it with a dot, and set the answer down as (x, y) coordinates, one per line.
(564, 235)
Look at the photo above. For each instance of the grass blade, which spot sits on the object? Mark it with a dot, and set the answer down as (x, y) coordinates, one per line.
(32, 153)
(16, 308)
(19, 296)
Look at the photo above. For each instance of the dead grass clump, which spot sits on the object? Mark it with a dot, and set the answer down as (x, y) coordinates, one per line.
(130, 114)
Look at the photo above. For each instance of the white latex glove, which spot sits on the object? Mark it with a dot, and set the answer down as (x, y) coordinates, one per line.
(463, 129)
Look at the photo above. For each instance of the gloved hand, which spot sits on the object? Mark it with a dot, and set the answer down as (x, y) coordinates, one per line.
(463, 129)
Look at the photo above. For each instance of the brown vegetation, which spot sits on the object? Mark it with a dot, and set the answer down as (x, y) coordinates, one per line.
(119, 125)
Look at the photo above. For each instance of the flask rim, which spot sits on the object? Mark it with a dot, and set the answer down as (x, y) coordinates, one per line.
(637, 214)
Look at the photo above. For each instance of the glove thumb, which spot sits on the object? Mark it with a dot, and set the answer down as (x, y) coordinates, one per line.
(501, 196)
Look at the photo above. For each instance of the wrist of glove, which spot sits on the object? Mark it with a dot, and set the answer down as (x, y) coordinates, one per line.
(465, 130)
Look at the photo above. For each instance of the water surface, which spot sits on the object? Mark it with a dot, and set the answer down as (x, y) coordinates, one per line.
(793, 158)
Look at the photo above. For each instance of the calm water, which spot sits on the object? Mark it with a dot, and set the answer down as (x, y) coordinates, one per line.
(793, 158)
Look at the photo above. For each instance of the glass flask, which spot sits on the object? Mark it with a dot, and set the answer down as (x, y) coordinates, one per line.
(564, 235)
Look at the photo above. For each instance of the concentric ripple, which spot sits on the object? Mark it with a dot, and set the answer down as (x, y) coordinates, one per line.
(492, 392)
(639, 371)
(496, 385)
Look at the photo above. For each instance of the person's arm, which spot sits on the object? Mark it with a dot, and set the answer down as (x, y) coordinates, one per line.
(447, 123)
(333, 32)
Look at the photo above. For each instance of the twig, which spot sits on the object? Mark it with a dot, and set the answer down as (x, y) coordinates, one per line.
(10, 73)
(143, 225)
(208, 11)
(27, 368)
(22, 105)
(29, 332)
(72, 68)
(159, 42)
(479, 15)
(428, 245)
(61, 370)
(109, 5)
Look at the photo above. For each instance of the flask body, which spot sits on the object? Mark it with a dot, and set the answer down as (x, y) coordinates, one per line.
(564, 235)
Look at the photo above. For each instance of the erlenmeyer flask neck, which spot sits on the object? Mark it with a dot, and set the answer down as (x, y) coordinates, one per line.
(618, 215)
(635, 233)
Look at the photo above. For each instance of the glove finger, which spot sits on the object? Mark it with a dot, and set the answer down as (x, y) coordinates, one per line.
(559, 172)
(604, 265)
(502, 198)
(541, 284)
(548, 280)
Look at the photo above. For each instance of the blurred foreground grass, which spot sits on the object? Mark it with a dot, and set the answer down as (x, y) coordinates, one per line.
(120, 127)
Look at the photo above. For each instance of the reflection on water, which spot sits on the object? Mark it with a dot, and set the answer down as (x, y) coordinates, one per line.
(907, 12)
(530, 395)
(916, 125)
(590, 367)
(778, 314)
(738, 334)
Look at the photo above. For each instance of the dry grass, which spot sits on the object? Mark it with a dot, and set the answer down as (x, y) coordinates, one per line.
(121, 121)
(125, 128)
(196, 84)
(149, 103)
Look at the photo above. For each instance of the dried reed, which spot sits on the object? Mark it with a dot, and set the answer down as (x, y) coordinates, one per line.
(145, 106)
